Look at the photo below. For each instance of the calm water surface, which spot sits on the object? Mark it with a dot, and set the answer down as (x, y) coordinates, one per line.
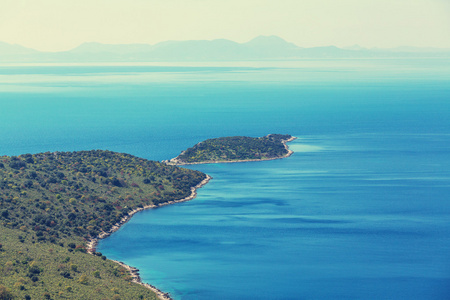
(360, 211)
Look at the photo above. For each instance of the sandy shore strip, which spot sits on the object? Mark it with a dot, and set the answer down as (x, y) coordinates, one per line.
(92, 244)
(176, 162)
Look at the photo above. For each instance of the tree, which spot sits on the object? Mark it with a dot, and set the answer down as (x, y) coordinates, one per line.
(74, 267)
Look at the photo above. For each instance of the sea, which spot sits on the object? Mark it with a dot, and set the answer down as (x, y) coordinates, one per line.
(361, 210)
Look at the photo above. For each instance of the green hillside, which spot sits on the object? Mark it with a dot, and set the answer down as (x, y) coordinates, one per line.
(52, 203)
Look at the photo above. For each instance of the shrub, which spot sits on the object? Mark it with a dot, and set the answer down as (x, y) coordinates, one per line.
(5, 294)
(83, 279)
(66, 274)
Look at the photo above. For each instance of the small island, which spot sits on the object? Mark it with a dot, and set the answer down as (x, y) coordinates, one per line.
(235, 149)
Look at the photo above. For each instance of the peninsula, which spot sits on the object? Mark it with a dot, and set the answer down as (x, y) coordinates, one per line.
(235, 149)
(55, 205)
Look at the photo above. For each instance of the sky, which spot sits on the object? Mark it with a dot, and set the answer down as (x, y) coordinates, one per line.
(58, 25)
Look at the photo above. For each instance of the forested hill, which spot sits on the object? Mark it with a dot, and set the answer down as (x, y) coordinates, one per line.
(82, 193)
(235, 149)
(52, 203)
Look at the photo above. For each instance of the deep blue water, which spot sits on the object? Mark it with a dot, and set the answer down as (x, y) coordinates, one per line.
(360, 211)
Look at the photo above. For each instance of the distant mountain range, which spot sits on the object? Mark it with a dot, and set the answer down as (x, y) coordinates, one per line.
(259, 48)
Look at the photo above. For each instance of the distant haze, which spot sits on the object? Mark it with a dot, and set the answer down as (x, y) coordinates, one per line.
(54, 25)
(259, 48)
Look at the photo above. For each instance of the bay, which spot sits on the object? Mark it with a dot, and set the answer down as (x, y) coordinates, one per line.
(360, 211)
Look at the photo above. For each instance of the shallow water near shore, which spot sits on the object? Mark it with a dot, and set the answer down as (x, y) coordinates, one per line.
(361, 210)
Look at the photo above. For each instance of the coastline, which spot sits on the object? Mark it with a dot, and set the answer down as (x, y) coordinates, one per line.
(134, 272)
(175, 162)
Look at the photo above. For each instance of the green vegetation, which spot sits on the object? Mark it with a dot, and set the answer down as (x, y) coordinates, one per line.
(52, 203)
(42, 270)
(235, 148)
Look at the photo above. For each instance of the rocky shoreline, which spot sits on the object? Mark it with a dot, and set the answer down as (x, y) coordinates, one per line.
(134, 272)
(136, 278)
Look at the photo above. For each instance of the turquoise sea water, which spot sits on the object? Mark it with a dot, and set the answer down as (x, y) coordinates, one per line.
(360, 211)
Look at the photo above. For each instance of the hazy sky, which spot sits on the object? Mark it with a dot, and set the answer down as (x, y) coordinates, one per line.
(55, 25)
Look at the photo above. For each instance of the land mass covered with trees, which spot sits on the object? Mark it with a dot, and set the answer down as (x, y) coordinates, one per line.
(235, 149)
(52, 204)
(55, 205)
